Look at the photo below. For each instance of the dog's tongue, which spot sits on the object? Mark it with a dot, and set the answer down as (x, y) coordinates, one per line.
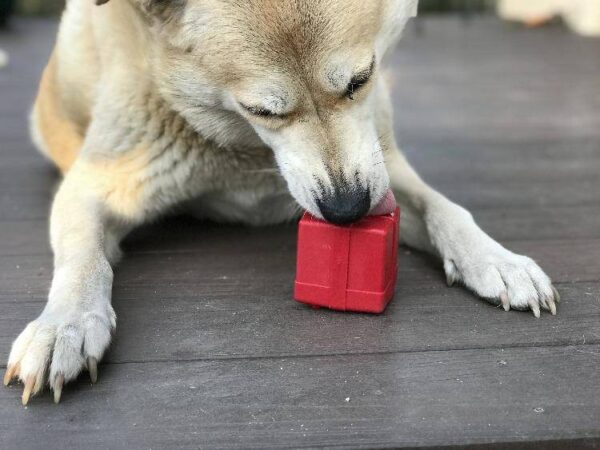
(387, 205)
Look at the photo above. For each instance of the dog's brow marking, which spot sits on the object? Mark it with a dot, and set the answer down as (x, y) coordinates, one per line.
(261, 111)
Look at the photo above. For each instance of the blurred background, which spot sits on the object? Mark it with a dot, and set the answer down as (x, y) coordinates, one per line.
(582, 16)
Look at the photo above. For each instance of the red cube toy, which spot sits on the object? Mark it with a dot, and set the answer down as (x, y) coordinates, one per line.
(348, 268)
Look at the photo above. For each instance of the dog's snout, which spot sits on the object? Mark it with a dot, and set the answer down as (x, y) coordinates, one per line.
(345, 204)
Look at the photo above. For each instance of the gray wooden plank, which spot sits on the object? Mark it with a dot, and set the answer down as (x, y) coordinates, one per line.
(485, 162)
(176, 234)
(177, 306)
(30, 205)
(26, 174)
(28, 42)
(14, 128)
(540, 223)
(220, 325)
(482, 175)
(491, 81)
(357, 401)
(258, 257)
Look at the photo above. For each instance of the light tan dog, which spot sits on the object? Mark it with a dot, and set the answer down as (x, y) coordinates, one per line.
(250, 108)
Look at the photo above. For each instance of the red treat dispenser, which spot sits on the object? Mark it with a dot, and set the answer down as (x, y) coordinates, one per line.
(348, 268)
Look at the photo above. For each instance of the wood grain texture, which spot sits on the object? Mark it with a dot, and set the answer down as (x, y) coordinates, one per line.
(177, 234)
(491, 81)
(218, 319)
(351, 401)
(263, 260)
(211, 352)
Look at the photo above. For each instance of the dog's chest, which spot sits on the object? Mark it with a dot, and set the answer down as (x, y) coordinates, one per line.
(221, 185)
(263, 205)
(176, 165)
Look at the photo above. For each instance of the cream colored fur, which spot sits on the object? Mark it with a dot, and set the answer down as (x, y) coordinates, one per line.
(146, 105)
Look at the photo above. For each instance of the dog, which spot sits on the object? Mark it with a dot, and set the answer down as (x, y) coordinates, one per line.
(248, 111)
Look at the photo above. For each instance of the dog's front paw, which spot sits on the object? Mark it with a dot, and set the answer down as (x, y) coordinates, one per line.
(502, 278)
(63, 341)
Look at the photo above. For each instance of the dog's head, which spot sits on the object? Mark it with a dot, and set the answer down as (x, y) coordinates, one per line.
(302, 75)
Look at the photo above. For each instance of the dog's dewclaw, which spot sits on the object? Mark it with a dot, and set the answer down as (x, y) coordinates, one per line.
(93, 368)
(29, 383)
(58, 387)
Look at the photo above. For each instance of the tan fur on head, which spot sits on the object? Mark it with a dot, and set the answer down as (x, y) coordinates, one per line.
(300, 76)
(294, 59)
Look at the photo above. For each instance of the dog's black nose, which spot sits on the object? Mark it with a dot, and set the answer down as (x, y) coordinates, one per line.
(345, 204)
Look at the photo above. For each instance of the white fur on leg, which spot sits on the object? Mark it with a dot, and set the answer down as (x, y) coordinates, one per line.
(484, 266)
(76, 324)
(470, 256)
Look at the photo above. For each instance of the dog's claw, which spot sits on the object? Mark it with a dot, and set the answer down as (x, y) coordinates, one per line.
(505, 301)
(450, 280)
(92, 364)
(552, 307)
(58, 387)
(535, 308)
(556, 295)
(10, 374)
(29, 383)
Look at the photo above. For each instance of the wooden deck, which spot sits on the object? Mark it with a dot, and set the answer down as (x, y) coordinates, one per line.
(211, 351)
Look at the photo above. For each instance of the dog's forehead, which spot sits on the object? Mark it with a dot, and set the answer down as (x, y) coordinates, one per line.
(277, 42)
(301, 27)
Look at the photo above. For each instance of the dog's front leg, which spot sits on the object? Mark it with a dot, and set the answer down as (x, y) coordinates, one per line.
(432, 222)
(75, 327)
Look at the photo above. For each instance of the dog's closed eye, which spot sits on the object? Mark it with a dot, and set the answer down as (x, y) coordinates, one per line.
(259, 111)
(359, 80)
